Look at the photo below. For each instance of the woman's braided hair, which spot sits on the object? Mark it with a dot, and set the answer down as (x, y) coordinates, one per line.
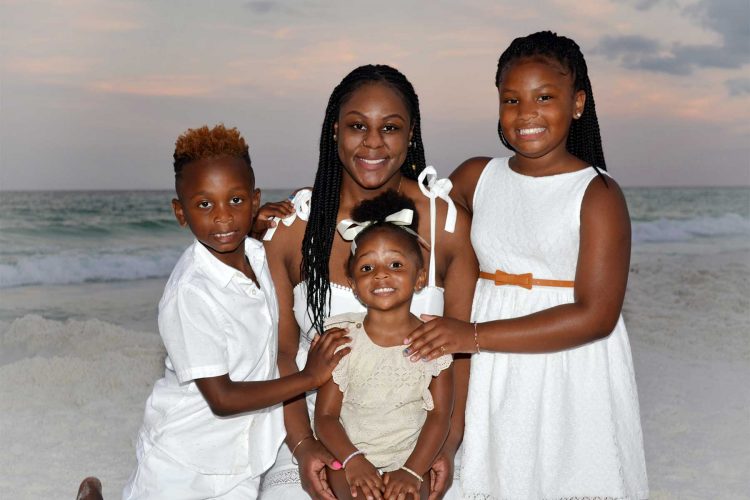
(321, 225)
(584, 138)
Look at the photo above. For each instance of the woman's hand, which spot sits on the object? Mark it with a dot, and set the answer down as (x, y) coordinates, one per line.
(313, 458)
(438, 336)
(401, 484)
(323, 358)
(362, 475)
(263, 219)
(441, 475)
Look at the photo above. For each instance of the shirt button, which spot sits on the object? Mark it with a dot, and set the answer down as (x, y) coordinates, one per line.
(358, 325)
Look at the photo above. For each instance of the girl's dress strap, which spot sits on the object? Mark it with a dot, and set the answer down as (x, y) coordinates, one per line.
(435, 188)
(301, 202)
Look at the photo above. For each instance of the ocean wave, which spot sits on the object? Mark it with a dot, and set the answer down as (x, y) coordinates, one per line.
(80, 267)
(683, 230)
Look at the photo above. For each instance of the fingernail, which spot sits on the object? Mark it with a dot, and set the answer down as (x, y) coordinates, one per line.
(406, 352)
(415, 359)
(336, 465)
(407, 341)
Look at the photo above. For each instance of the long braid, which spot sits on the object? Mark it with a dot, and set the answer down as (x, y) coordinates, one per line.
(584, 138)
(321, 224)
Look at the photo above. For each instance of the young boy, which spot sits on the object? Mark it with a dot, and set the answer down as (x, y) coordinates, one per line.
(214, 423)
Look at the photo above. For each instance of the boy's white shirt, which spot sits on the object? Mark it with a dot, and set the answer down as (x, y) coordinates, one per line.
(213, 321)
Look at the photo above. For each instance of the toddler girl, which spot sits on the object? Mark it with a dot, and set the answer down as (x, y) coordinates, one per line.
(380, 413)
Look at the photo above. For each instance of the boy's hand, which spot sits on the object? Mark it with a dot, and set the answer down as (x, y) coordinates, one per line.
(263, 219)
(323, 358)
(401, 484)
(362, 475)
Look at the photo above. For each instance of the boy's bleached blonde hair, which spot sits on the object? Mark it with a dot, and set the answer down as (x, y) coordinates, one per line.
(202, 143)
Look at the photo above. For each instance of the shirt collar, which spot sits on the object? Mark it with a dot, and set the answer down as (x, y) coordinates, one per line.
(222, 274)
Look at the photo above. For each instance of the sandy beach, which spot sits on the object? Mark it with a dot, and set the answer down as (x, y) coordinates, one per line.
(73, 391)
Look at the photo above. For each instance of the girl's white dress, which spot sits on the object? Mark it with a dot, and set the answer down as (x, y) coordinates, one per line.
(545, 426)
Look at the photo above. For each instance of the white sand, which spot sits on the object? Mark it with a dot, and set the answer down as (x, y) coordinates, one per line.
(72, 393)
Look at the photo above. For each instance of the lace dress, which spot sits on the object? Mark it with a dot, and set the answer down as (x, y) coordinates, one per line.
(545, 426)
(386, 396)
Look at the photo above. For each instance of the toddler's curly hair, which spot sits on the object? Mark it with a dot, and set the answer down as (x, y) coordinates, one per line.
(201, 143)
(376, 210)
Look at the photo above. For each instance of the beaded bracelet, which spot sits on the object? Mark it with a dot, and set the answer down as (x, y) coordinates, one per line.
(294, 460)
(476, 337)
(406, 469)
(352, 455)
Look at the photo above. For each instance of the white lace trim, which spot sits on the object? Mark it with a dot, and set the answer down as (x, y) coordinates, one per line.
(281, 478)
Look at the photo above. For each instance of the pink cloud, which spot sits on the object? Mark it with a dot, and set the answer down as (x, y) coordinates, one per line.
(158, 86)
(47, 66)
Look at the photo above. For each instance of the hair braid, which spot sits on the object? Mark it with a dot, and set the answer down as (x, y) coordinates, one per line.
(321, 224)
(584, 137)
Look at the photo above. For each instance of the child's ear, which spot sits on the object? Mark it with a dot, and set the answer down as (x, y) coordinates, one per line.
(256, 201)
(580, 104)
(179, 213)
(421, 280)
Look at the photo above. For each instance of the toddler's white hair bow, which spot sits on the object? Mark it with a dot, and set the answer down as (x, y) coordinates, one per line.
(349, 229)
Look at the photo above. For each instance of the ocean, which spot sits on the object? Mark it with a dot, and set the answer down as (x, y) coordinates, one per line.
(67, 238)
(81, 274)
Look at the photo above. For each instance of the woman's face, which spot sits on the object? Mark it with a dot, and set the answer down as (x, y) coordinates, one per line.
(373, 133)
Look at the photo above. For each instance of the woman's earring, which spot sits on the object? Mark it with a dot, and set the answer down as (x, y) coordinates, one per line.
(411, 144)
(335, 138)
(578, 115)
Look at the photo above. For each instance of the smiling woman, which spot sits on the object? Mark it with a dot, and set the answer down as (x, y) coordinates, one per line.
(370, 142)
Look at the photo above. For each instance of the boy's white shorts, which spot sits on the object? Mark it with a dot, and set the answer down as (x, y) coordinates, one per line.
(158, 476)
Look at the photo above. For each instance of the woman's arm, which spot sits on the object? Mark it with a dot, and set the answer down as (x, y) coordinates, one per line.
(600, 282)
(459, 272)
(284, 254)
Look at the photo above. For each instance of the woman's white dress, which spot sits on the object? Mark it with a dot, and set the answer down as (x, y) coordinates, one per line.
(545, 426)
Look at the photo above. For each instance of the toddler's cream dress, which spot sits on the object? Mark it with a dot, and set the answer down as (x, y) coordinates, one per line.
(386, 396)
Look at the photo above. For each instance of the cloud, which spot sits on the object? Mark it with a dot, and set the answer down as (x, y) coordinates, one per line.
(738, 86)
(47, 66)
(728, 19)
(648, 4)
(158, 86)
(262, 6)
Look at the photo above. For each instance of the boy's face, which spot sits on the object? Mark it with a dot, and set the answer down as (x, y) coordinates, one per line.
(217, 199)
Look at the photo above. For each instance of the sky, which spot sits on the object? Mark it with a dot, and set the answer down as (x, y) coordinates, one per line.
(93, 93)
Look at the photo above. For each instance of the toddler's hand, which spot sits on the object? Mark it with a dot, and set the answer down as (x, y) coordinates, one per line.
(362, 475)
(401, 484)
(323, 358)
(263, 219)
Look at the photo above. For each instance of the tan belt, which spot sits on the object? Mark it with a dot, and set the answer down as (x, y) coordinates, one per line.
(525, 280)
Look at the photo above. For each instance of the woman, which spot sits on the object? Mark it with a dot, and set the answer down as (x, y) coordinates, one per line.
(370, 143)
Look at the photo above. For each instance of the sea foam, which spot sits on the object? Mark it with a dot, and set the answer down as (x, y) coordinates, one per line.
(685, 230)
